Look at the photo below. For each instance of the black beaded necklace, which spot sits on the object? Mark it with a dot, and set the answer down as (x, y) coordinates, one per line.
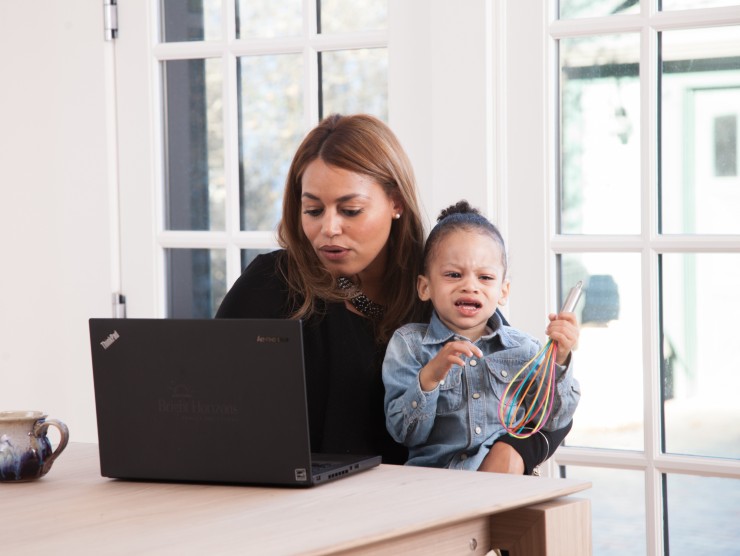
(360, 301)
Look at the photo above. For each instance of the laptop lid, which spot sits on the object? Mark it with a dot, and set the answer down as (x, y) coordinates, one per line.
(205, 400)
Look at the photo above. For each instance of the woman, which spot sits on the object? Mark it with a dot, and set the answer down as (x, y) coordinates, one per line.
(352, 239)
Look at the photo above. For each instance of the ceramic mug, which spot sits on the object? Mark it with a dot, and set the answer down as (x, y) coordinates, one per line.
(25, 451)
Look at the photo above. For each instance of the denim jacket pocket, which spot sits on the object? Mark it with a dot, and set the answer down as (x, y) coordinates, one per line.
(502, 375)
(451, 392)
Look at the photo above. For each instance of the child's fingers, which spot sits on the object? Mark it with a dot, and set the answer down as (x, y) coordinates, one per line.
(566, 338)
(455, 360)
(570, 317)
(463, 347)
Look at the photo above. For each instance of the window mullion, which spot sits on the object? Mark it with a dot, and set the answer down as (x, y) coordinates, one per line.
(231, 160)
(650, 198)
(310, 64)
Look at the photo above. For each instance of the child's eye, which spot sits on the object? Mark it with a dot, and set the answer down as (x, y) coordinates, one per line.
(452, 274)
(487, 277)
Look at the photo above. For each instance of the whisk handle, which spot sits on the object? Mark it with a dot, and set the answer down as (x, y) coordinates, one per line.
(573, 296)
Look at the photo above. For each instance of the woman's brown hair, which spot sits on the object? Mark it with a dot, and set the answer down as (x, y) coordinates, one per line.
(364, 145)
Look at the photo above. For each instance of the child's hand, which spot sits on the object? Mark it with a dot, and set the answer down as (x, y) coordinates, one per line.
(436, 370)
(563, 329)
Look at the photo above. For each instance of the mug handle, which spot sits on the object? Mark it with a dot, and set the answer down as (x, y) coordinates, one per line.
(41, 426)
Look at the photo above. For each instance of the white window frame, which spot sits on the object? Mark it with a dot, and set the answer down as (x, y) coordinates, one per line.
(143, 237)
(531, 101)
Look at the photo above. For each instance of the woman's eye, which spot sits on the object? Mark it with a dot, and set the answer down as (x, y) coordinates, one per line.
(312, 211)
(351, 212)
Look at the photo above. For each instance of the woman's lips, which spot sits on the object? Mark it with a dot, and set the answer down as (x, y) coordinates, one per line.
(333, 252)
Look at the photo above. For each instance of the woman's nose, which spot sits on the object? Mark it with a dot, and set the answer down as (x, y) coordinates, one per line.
(331, 224)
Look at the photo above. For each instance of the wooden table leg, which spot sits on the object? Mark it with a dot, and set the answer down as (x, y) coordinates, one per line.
(560, 527)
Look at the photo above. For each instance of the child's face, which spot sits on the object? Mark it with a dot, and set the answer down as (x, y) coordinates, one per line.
(465, 281)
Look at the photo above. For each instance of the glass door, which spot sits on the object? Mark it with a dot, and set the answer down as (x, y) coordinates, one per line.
(647, 187)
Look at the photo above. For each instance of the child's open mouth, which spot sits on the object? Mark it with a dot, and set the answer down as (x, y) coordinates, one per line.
(468, 306)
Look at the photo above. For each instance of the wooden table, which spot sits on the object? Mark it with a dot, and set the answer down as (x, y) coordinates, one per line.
(386, 510)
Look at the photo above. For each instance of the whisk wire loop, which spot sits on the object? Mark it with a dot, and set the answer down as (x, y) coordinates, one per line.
(540, 372)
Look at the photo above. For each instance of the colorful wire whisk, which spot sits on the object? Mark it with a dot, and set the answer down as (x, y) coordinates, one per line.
(527, 402)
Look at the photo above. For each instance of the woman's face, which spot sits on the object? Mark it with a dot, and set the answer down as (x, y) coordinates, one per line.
(347, 218)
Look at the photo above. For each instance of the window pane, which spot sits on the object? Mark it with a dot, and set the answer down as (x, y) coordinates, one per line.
(596, 8)
(194, 180)
(196, 282)
(355, 81)
(703, 515)
(608, 358)
(617, 509)
(340, 16)
(693, 4)
(270, 129)
(269, 18)
(191, 20)
(700, 106)
(600, 135)
(700, 383)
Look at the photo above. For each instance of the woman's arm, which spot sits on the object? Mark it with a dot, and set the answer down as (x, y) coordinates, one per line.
(522, 455)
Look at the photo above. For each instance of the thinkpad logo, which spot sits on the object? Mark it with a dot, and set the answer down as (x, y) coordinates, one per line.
(108, 342)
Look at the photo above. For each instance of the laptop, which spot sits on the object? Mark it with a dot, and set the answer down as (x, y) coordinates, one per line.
(207, 400)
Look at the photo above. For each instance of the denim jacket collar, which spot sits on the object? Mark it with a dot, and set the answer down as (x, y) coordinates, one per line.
(439, 333)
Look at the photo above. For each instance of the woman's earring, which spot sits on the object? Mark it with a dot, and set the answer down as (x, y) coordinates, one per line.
(397, 216)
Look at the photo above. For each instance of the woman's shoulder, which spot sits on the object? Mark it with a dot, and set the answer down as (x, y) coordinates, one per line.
(265, 272)
(260, 291)
(270, 263)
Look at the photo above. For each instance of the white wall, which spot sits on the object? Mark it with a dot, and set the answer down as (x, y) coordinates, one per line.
(54, 194)
(439, 88)
(459, 107)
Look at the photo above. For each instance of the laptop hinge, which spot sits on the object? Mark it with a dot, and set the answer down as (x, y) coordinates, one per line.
(119, 305)
(110, 19)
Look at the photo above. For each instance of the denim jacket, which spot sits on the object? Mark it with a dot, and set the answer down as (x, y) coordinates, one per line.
(456, 424)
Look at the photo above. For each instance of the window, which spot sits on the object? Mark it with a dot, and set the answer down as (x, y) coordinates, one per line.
(645, 142)
(240, 83)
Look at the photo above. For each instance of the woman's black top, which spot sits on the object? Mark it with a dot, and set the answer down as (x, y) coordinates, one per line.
(343, 369)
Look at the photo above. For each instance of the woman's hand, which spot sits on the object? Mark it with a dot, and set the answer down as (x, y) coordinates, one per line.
(503, 458)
